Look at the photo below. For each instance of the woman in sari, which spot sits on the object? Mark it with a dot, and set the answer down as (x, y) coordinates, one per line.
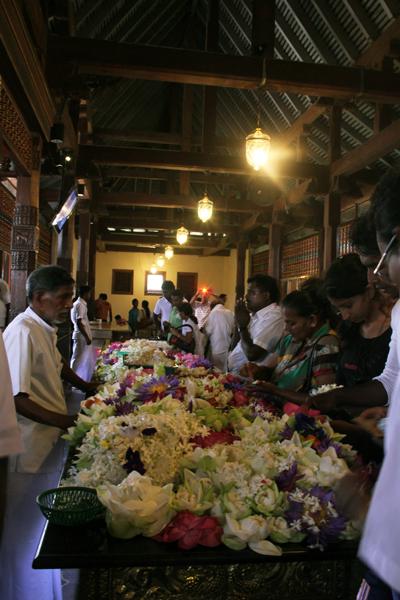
(306, 357)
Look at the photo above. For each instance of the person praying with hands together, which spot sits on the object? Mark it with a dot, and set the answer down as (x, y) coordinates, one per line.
(259, 322)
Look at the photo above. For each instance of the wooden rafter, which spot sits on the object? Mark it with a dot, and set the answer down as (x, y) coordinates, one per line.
(372, 58)
(180, 251)
(171, 201)
(101, 57)
(375, 147)
(191, 161)
(155, 222)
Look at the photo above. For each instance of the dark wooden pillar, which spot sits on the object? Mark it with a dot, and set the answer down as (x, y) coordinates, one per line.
(241, 267)
(92, 256)
(65, 245)
(331, 222)
(332, 200)
(24, 239)
(274, 255)
(82, 273)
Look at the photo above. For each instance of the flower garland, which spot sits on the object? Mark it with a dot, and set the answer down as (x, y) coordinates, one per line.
(194, 458)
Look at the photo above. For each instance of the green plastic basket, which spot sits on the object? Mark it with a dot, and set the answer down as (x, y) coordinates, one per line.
(70, 505)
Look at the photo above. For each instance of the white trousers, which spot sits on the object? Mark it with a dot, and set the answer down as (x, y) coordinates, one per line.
(83, 358)
(23, 526)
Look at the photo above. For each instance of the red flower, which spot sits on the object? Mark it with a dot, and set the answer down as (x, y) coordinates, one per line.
(239, 398)
(190, 530)
(214, 437)
(290, 408)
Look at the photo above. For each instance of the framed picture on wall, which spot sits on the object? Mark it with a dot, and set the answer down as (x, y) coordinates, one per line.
(122, 281)
(153, 283)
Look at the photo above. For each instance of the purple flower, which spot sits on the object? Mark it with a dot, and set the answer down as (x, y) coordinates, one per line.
(287, 433)
(133, 462)
(286, 480)
(321, 525)
(157, 388)
(124, 408)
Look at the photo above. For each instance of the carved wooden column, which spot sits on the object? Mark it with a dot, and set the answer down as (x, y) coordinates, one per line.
(241, 267)
(24, 239)
(82, 273)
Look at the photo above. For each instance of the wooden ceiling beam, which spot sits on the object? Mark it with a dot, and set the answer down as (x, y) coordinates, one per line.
(156, 240)
(166, 225)
(159, 137)
(131, 61)
(163, 175)
(179, 251)
(171, 201)
(191, 161)
(375, 147)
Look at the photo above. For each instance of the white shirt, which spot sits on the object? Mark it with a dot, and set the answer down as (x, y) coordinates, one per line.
(4, 300)
(266, 326)
(163, 307)
(79, 312)
(219, 327)
(10, 435)
(188, 326)
(380, 544)
(35, 367)
(201, 311)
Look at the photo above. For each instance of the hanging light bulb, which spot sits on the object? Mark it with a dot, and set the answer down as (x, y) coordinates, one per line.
(205, 208)
(168, 252)
(258, 145)
(182, 235)
(160, 261)
(153, 269)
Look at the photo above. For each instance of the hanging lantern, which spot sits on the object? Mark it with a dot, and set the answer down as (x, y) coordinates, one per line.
(205, 208)
(160, 261)
(182, 235)
(168, 252)
(258, 146)
(153, 269)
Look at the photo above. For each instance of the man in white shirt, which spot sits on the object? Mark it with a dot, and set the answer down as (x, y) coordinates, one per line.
(219, 327)
(4, 304)
(36, 368)
(163, 307)
(10, 435)
(259, 321)
(83, 353)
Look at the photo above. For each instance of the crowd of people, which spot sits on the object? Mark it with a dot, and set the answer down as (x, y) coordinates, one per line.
(341, 329)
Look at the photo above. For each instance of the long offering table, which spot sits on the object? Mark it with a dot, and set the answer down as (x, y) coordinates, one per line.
(143, 568)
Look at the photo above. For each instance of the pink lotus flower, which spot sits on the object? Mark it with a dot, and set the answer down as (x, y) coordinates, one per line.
(190, 530)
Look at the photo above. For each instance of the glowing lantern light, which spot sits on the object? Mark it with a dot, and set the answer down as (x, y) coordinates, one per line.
(258, 145)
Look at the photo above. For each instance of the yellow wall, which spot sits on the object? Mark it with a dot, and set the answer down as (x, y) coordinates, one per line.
(216, 272)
